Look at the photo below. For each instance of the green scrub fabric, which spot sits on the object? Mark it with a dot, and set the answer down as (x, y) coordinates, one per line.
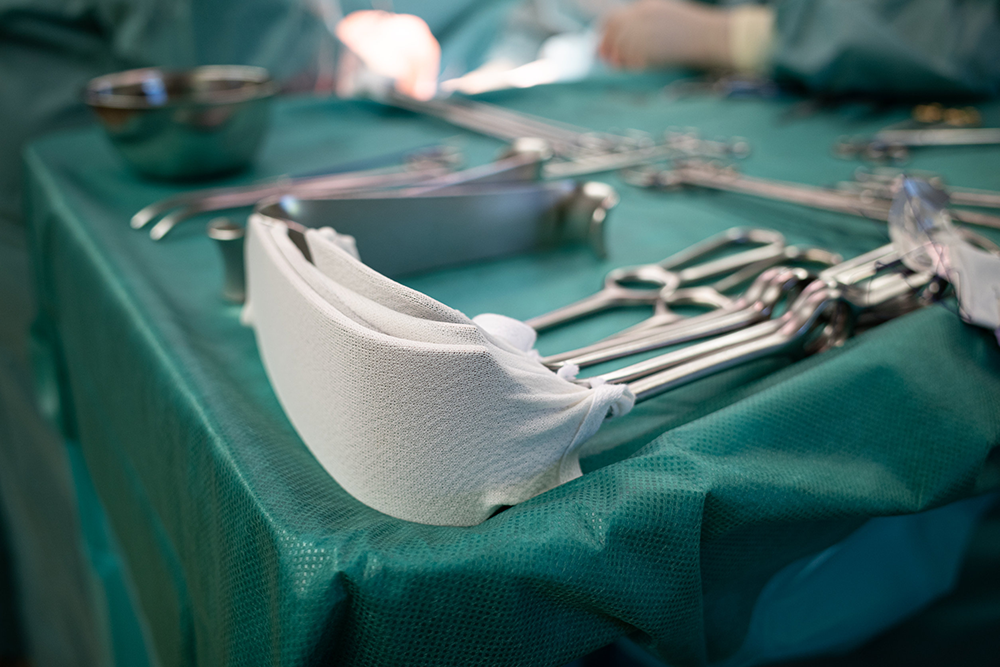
(73, 596)
(11, 644)
(243, 551)
(929, 49)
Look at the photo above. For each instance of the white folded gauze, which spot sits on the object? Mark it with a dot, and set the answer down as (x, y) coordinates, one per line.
(412, 407)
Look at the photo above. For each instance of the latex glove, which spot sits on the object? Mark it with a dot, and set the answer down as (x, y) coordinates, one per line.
(651, 33)
(658, 33)
(396, 46)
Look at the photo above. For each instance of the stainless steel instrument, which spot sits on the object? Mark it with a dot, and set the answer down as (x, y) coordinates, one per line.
(883, 184)
(430, 170)
(704, 175)
(895, 144)
(580, 151)
(821, 317)
(400, 233)
(670, 274)
(229, 238)
(755, 305)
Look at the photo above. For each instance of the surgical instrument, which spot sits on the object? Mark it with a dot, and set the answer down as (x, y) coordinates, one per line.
(520, 162)
(846, 291)
(432, 229)
(883, 185)
(797, 333)
(456, 225)
(229, 238)
(415, 167)
(668, 274)
(714, 294)
(675, 145)
(895, 144)
(755, 305)
(704, 175)
(769, 288)
(582, 151)
(237, 198)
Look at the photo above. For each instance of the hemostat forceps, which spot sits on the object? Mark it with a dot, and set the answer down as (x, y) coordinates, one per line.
(714, 294)
(883, 184)
(667, 275)
(704, 175)
(755, 305)
(842, 293)
(805, 329)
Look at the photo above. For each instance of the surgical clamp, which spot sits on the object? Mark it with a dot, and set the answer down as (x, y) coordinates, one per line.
(703, 175)
(755, 305)
(895, 144)
(883, 186)
(520, 162)
(667, 274)
(584, 152)
(714, 294)
(769, 288)
(795, 329)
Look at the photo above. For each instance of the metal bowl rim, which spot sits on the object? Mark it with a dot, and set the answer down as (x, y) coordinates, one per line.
(263, 87)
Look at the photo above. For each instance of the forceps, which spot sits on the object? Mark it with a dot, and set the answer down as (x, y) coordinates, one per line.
(803, 329)
(894, 144)
(757, 303)
(883, 184)
(667, 275)
(714, 294)
(704, 175)
(854, 283)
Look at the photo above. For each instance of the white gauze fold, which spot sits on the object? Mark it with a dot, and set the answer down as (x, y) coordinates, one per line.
(411, 406)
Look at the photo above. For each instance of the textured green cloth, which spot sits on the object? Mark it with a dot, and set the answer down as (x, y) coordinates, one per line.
(11, 645)
(244, 551)
(960, 629)
(73, 593)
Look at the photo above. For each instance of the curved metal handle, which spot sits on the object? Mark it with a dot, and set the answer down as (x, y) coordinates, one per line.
(611, 296)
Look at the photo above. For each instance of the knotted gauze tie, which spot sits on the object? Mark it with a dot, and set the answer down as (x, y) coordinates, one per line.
(413, 408)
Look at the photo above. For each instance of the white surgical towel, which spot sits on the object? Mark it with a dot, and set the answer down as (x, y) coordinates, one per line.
(412, 407)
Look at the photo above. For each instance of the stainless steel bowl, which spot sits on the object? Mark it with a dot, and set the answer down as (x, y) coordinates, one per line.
(184, 125)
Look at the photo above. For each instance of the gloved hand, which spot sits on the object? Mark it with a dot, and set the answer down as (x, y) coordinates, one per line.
(651, 33)
(397, 46)
(658, 33)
